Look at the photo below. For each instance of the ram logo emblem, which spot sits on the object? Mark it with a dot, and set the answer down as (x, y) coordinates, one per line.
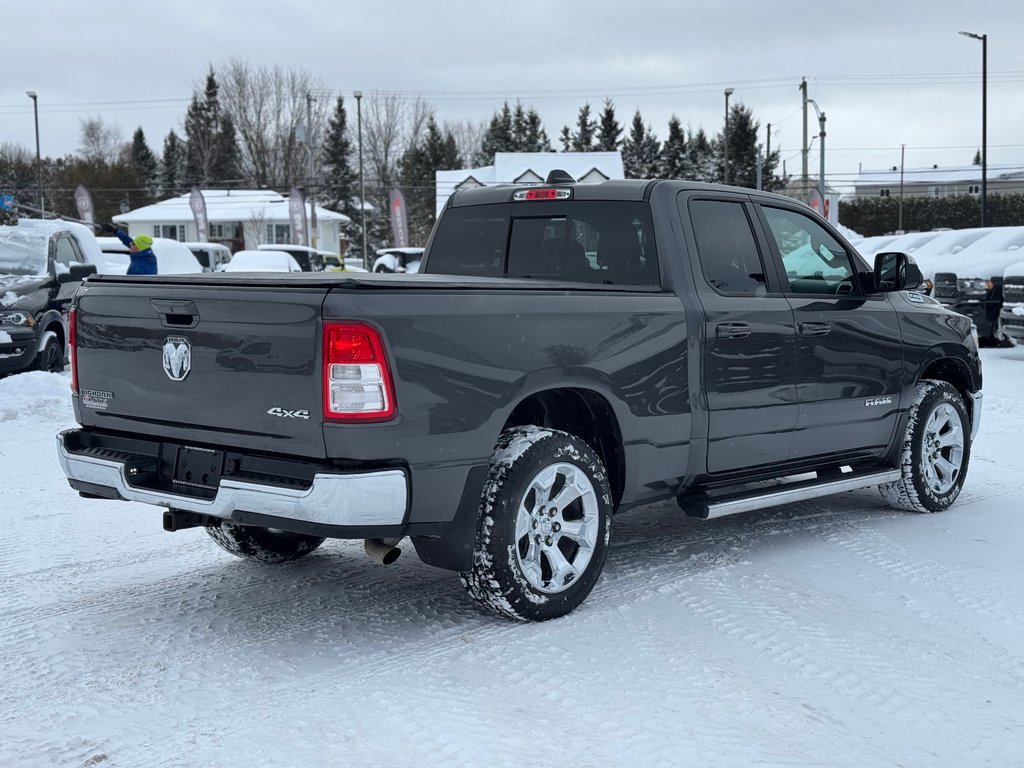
(177, 357)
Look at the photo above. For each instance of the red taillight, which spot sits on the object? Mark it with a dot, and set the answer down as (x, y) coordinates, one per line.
(357, 380)
(73, 347)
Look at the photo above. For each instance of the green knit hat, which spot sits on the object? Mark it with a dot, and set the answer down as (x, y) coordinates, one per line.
(142, 242)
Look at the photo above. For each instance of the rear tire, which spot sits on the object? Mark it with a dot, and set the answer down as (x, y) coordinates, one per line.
(936, 451)
(544, 525)
(261, 544)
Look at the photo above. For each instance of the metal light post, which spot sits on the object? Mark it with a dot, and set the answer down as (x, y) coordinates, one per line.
(39, 161)
(984, 124)
(309, 147)
(821, 149)
(728, 93)
(362, 191)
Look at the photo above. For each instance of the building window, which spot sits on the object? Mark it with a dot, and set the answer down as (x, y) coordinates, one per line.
(278, 234)
(170, 231)
(883, 193)
(937, 191)
(225, 231)
(974, 189)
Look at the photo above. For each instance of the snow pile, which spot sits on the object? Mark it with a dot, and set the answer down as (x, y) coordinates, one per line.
(35, 395)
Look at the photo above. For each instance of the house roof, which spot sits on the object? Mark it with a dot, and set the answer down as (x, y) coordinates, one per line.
(935, 175)
(224, 206)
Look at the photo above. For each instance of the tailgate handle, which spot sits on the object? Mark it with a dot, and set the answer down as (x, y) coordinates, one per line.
(176, 314)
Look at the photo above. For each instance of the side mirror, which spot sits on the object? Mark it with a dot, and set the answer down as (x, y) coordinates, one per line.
(76, 273)
(896, 271)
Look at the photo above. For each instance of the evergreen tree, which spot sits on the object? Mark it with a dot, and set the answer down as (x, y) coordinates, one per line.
(144, 164)
(173, 165)
(675, 163)
(519, 126)
(701, 154)
(340, 184)
(609, 135)
(212, 155)
(566, 139)
(536, 136)
(641, 151)
(977, 158)
(583, 138)
(744, 150)
(435, 152)
(498, 137)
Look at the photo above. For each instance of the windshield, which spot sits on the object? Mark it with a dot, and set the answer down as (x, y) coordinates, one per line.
(23, 251)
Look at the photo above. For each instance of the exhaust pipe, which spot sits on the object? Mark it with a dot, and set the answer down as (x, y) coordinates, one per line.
(382, 551)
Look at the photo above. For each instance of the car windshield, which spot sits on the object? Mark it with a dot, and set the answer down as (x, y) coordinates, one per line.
(23, 251)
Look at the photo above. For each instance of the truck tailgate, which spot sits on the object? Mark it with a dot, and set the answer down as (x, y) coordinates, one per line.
(236, 366)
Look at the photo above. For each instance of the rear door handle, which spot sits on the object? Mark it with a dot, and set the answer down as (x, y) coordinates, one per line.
(732, 331)
(815, 329)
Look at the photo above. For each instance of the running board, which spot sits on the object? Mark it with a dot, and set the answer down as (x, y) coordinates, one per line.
(708, 507)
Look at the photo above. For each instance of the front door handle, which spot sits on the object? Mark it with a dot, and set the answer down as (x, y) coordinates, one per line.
(815, 329)
(732, 330)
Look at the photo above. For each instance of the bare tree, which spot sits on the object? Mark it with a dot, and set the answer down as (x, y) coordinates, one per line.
(256, 226)
(391, 124)
(267, 106)
(469, 136)
(100, 142)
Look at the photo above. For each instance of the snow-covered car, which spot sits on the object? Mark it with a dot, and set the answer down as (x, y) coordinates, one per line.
(1011, 317)
(262, 261)
(172, 257)
(308, 259)
(210, 255)
(83, 235)
(398, 260)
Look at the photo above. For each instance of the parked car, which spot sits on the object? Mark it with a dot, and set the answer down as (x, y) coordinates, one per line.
(262, 261)
(332, 262)
(1011, 317)
(41, 267)
(210, 255)
(172, 257)
(390, 260)
(308, 259)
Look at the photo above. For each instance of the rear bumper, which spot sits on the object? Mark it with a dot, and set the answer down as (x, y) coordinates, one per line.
(350, 499)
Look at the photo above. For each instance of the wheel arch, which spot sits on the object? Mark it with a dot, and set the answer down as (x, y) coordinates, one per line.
(955, 372)
(581, 412)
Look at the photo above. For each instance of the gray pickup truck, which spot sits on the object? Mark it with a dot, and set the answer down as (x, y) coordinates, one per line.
(568, 351)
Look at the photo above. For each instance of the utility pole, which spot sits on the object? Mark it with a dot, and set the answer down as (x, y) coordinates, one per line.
(768, 145)
(903, 148)
(362, 189)
(309, 147)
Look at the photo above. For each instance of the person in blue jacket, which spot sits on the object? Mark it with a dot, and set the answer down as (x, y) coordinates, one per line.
(141, 250)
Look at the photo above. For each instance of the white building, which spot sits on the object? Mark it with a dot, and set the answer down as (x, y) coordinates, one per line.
(530, 168)
(240, 219)
(937, 181)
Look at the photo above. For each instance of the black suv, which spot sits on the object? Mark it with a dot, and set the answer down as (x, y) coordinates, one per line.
(40, 270)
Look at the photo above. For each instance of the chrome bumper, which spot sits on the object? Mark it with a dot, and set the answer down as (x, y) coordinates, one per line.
(360, 499)
(976, 398)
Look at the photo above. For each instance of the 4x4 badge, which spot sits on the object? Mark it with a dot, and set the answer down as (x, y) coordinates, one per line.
(177, 357)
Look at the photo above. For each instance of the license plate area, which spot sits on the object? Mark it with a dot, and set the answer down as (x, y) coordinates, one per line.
(198, 468)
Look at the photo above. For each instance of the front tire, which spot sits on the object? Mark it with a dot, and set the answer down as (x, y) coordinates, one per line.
(936, 451)
(262, 544)
(51, 356)
(544, 525)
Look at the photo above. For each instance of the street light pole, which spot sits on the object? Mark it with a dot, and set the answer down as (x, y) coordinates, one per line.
(39, 161)
(984, 124)
(821, 149)
(309, 147)
(728, 93)
(362, 190)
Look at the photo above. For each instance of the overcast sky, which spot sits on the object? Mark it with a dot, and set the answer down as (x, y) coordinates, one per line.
(885, 73)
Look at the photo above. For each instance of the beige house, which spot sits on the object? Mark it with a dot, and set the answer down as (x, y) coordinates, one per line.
(939, 182)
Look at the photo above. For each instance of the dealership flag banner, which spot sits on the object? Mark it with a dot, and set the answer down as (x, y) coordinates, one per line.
(197, 203)
(297, 215)
(83, 202)
(399, 224)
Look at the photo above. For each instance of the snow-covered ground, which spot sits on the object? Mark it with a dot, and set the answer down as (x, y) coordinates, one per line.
(836, 632)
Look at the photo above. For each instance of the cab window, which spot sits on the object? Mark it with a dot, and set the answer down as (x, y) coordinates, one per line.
(726, 247)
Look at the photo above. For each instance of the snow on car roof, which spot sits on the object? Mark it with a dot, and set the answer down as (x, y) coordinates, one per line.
(262, 261)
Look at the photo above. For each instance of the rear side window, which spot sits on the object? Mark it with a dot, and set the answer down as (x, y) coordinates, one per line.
(726, 247)
(589, 241)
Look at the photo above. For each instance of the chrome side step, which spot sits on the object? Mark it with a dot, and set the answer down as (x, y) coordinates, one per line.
(707, 507)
